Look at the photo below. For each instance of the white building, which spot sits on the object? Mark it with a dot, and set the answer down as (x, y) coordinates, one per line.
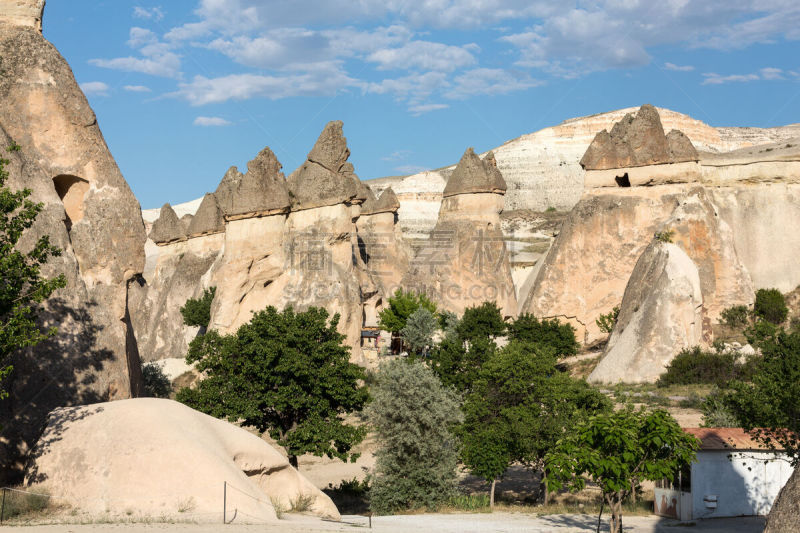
(733, 475)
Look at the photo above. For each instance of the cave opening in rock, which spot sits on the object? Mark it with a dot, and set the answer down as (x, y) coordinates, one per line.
(623, 181)
(71, 190)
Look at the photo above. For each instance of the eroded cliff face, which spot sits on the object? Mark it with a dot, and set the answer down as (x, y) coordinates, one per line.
(91, 213)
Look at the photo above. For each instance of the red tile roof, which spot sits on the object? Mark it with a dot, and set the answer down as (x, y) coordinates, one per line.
(725, 439)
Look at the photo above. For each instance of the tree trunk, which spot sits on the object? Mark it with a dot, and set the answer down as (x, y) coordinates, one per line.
(293, 461)
(491, 494)
(544, 487)
(600, 516)
(616, 516)
(633, 493)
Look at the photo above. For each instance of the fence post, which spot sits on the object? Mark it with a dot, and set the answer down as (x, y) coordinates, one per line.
(224, 501)
(3, 506)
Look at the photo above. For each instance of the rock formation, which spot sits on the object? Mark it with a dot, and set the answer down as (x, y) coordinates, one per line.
(465, 261)
(661, 313)
(638, 141)
(382, 249)
(168, 228)
(255, 206)
(209, 218)
(785, 513)
(151, 458)
(90, 212)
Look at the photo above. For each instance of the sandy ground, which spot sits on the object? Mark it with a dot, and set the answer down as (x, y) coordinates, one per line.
(436, 523)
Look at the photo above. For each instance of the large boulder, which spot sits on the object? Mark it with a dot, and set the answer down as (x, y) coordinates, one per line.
(636, 141)
(661, 313)
(168, 228)
(89, 211)
(475, 175)
(161, 459)
(324, 179)
(784, 517)
(261, 191)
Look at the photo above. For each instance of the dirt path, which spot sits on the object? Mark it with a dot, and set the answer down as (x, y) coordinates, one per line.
(435, 523)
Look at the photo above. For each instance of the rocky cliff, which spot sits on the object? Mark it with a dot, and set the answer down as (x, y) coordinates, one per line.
(90, 212)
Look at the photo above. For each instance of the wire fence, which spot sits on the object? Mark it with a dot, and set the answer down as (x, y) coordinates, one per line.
(16, 502)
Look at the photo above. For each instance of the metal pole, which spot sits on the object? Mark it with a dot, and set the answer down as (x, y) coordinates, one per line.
(3, 507)
(224, 501)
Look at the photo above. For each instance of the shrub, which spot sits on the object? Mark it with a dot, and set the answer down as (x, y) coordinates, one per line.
(664, 236)
(695, 365)
(156, 383)
(607, 322)
(771, 306)
(413, 415)
(552, 333)
(716, 413)
(401, 306)
(736, 316)
(197, 311)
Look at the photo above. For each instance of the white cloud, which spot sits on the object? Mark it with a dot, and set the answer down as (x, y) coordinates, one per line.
(157, 58)
(211, 121)
(154, 13)
(137, 88)
(410, 169)
(424, 55)
(420, 109)
(764, 74)
(397, 155)
(712, 78)
(488, 81)
(95, 88)
(678, 68)
(202, 90)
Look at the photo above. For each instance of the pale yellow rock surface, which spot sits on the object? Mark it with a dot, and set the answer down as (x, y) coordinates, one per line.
(158, 458)
(661, 313)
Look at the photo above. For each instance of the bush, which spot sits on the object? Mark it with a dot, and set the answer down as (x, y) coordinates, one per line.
(736, 317)
(197, 311)
(695, 365)
(771, 306)
(552, 333)
(664, 236)
(716, 413)
(413, 415)
(401, 306)
(607, 322)
(156, 383)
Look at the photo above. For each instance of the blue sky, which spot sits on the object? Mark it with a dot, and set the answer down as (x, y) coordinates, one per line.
(185, 88)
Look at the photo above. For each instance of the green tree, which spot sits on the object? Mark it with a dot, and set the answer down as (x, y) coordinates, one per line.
(419, 329)
(401, 306)
(768, 405)
(23, 288)
(197, 311)
(547, 332)
(484, 321)
(286, 373)
(606, 322)
(617, 450)
(459, 357)
(417, 458)
(520, 406)
(770, 305)
(156, 383)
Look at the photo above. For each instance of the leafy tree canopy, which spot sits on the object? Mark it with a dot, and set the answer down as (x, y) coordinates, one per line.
(481, 322)
(286, 373)
(520, 406)
(413, 416)
(401, 306)
(768, 404)
(197, 311)
(23, 288)
(770, 305)
(419, 329)
(618, 449)
(548, 332)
